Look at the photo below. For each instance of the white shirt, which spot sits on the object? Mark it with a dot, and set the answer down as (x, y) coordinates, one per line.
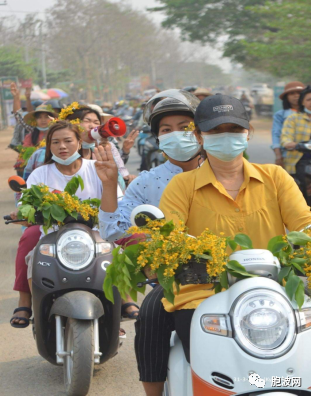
(50, 176)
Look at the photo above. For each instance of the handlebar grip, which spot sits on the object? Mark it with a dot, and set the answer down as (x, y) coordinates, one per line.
(7, 218)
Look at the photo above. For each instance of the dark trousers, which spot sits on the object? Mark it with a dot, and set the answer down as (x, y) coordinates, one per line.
(153, 332)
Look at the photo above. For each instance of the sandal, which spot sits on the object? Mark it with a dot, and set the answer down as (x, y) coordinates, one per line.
(27, 320)
(133, 315)
(124, 334)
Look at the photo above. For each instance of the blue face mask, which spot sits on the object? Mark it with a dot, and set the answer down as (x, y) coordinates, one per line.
(86, 145)
(67, 161)
(307, 110)
(179, 145)
(43, 129)
(225, 146)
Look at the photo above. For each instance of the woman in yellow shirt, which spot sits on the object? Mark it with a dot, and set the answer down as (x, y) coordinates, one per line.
(227, 194)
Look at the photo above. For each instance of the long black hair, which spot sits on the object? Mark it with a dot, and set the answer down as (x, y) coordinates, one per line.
(303, 93)
(286, 104)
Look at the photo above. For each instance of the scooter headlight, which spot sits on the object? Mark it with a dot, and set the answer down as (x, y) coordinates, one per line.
(264, 323)
(75, 249)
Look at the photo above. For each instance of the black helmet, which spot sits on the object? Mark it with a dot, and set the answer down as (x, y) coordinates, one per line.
(170, 102)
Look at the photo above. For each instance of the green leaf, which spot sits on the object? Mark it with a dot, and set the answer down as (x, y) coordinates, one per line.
(204, 256)
(74, 214)
(133, 295)
(37, 191)
(72, 186)
(169, 295)
(224, 280)
(232, 244)
(273, 241)
(166, 229)
(292, 285)
(166, 282)
(217, 288)
(128, 261)
(278, 247)
(283, 273)
(24, 210)
(243, 241)
(108, 288)
(298, 238)
(58, 213)
(238, 269)
(300, 294)
(81, 183)
(31, 216)
(298, 267)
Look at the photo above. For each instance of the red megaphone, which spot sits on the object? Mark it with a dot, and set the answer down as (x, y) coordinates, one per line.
(113, 128)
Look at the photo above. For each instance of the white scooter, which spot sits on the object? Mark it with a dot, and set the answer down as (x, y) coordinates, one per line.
(248, 340)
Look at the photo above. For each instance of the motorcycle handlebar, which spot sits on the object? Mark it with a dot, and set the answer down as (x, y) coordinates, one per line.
(7, 218)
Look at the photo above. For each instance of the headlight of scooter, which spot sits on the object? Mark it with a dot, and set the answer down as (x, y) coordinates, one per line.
(75, 249)
(264, 323)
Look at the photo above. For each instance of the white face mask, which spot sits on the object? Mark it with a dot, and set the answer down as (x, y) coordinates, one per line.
(69, 160)
(179, 145)
(225, 146)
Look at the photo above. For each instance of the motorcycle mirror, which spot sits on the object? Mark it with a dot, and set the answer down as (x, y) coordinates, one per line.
(140, 213)
(17, 183)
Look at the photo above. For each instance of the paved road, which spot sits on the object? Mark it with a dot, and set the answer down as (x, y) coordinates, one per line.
(22, 370)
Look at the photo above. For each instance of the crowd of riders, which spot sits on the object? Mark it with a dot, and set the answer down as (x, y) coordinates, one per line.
(203, 176)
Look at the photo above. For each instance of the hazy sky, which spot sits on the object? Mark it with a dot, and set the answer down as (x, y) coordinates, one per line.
(21, 7)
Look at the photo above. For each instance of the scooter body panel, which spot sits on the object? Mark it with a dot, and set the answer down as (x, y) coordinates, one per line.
(51, 281)
(179, 371)
(220, 358)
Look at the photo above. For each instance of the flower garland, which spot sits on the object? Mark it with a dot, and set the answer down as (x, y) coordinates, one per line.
(64, 113)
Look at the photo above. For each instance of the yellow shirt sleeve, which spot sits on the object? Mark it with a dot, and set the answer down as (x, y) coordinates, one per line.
(295, 212)
(288, 130)
(175, 200)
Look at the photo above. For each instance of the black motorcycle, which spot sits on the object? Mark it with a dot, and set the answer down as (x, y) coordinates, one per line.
(303, 170)
(74, 324)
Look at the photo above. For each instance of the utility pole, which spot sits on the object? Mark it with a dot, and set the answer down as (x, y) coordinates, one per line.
(26, 44)
(43, 65)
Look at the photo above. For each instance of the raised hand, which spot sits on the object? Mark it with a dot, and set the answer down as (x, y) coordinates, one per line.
(28, 92)
(129, 141)
(106, 167)
(14, 89)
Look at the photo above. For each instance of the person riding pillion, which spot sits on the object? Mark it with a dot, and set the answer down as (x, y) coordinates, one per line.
(168, 113)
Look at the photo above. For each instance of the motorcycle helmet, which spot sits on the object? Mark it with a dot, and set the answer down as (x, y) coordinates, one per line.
(169, 102)
(56, 104)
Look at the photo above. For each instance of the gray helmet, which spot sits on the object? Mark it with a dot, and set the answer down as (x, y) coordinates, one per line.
(169, 102)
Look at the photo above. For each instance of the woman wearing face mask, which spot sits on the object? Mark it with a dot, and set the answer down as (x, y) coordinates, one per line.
(62, 162)
(289, 98)
(227, 195)
(297, 128)
(36, 123)
(168, 114)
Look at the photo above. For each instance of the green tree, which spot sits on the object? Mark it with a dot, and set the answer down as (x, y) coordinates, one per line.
(285, 49)
(264, 35)
(13, 64)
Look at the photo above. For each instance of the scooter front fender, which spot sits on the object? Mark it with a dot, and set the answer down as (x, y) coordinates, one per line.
(81, 305)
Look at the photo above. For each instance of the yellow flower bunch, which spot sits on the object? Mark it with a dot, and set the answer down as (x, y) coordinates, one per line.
(64, 113)
(190, 127)
(67, 202)
(178, 247)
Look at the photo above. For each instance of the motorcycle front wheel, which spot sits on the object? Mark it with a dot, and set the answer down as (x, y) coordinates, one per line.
(79, 365)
